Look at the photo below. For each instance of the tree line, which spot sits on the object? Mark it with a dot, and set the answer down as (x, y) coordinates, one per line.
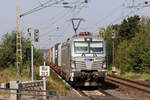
(132, 44)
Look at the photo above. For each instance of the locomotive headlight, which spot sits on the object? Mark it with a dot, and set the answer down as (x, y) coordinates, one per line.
(72, 74)
(104, 65)
(73, 64)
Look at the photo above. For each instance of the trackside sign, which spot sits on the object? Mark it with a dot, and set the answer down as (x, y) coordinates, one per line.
(44, 71)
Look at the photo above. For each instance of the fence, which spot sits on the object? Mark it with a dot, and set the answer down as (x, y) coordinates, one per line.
(28, 90)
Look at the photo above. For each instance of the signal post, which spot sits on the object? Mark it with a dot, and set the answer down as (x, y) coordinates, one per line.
(113, 52)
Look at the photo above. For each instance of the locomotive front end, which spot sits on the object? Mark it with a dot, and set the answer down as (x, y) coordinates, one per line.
(88, 61)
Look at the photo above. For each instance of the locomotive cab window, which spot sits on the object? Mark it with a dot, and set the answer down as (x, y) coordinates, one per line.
(96, 47)
(88, 47)
(81, 47)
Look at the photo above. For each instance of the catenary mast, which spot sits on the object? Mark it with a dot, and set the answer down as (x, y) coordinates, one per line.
(18, 39)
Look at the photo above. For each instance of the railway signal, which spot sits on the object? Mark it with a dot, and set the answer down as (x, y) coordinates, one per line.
(27, 53)
(18, 30)
(29, 31)
(36, 35)
(113, 51)
(31, 67)
(113, 34)
(46, 4)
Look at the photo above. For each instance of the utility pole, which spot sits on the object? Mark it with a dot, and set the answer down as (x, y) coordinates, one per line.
(18, 29)
(32, 70)
(36, 39)
(31, 40)
(18, 39)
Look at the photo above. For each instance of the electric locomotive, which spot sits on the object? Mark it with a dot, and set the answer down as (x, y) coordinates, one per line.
(83, 59)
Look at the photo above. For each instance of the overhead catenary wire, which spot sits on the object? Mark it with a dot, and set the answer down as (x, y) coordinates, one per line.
(61, 17)
(116, 19)
(99, 22)
(74, 15)
(42, 6)
(112, 12)
(55, 19)
(139, 5)
(137, 8)
(78, 10)
(49, 31)
(126, 16)
(45, 26)
(65, 29)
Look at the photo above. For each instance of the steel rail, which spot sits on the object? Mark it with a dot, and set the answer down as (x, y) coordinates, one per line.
(129, 83)
(78, 90)
(145, 85)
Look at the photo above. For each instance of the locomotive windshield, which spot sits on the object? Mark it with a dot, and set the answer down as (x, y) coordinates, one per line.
(88, 47)
(81, 47)
(96, 47)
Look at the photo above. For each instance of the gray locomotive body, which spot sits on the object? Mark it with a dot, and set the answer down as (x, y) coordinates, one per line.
(82, 60)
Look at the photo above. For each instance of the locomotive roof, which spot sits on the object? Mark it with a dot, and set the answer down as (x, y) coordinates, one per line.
(82, 37)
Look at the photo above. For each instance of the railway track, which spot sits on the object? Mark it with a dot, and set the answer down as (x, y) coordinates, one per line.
(97, 94)
(130, 86)
(92, 94)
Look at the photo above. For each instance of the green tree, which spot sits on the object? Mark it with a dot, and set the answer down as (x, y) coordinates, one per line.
(140, 53)
(122, 57)
(129, 28)
(8, 51)
(132, 44)
(108, 40)
(134, 54)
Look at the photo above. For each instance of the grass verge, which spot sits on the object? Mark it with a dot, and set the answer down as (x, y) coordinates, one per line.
(140, 77)
(53, 82)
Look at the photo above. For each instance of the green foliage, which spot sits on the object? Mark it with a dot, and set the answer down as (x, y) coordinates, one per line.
(26, 45)
(38, 57)
(8, 51)
(129, 28)
(133, 54)
(140, 53)
(55, 83)
(108, 39)
(122, 59)
(132, 45)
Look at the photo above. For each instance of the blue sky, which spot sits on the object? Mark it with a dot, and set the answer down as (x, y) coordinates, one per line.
(55, 20)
